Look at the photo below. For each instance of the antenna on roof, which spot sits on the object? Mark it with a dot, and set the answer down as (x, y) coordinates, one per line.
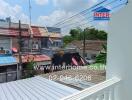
(30, 7)
(30, 29)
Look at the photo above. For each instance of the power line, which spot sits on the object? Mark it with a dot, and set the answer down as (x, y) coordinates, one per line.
(88, 16)
(81, 12)
(83, 18)
(73, 18)
(117, 6)
(70, 19)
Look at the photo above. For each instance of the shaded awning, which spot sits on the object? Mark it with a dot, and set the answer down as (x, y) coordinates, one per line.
(7, 60)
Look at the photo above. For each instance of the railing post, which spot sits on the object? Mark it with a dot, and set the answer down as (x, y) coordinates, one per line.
(93, 98)
(106, 95)
(101, 91)
(101, 97)
(112, 94)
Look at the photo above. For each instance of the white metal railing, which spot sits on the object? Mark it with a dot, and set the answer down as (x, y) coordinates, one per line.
(101, 91)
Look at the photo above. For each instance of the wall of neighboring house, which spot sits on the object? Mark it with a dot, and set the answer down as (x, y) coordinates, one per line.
(7, 73)
(89, 54)
(50, 45)
(5, 43)
(56, 42)
(44, 42)
(15, 43)
(36, 44)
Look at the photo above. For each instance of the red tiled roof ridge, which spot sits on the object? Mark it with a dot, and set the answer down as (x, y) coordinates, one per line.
(36, 58)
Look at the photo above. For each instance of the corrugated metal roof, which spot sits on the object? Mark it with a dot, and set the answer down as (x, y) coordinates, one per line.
(7, 60)
(37, 88)
(54, 30)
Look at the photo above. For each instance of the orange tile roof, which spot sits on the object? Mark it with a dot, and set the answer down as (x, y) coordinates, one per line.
(35, 30)
(13, 32)
(36, 58)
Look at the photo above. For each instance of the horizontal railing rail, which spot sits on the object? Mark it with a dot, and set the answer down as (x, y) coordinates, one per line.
(101, 91)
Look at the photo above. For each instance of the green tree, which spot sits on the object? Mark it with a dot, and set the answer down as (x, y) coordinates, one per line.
(67, 39)
(102, 35)
(74, 33)
(90, 34)
(30, 72)
(101, 58)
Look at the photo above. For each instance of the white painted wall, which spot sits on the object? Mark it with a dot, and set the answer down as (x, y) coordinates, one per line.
(120, 50)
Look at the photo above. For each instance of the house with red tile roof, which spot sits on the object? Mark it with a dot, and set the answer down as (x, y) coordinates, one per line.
(42, 37)
(36, 42)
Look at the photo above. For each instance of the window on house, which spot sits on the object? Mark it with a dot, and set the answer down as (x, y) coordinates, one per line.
(56, 44)
(35, 45)
(5, 43)
(24, 43)
(44, 42)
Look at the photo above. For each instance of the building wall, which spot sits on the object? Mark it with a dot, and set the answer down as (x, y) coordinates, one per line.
(88, 53)
(36, 43)
(15, 43)
(25, 44)
(4, 24)
(120, 51)
(5, 42)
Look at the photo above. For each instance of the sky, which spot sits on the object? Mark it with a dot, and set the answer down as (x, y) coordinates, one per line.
(44, 12)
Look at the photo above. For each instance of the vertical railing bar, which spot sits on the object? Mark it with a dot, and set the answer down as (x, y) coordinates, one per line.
(112, 93)
(101, 97)
(94, 97)
(106, 94)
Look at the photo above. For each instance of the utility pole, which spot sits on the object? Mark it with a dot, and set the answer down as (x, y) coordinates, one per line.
(20, 53)
(30, 16)
(31, 36)
(84, 43)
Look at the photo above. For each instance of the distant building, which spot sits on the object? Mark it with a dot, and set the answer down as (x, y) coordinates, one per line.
(93, 47)
(44, 38)
(36, 42)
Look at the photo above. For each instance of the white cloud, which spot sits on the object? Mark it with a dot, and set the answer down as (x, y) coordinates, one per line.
(15, 12)
(42, 2)
(66, 8)
(92, 2)
(53, 18)
(74, 5)
(70, 5)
